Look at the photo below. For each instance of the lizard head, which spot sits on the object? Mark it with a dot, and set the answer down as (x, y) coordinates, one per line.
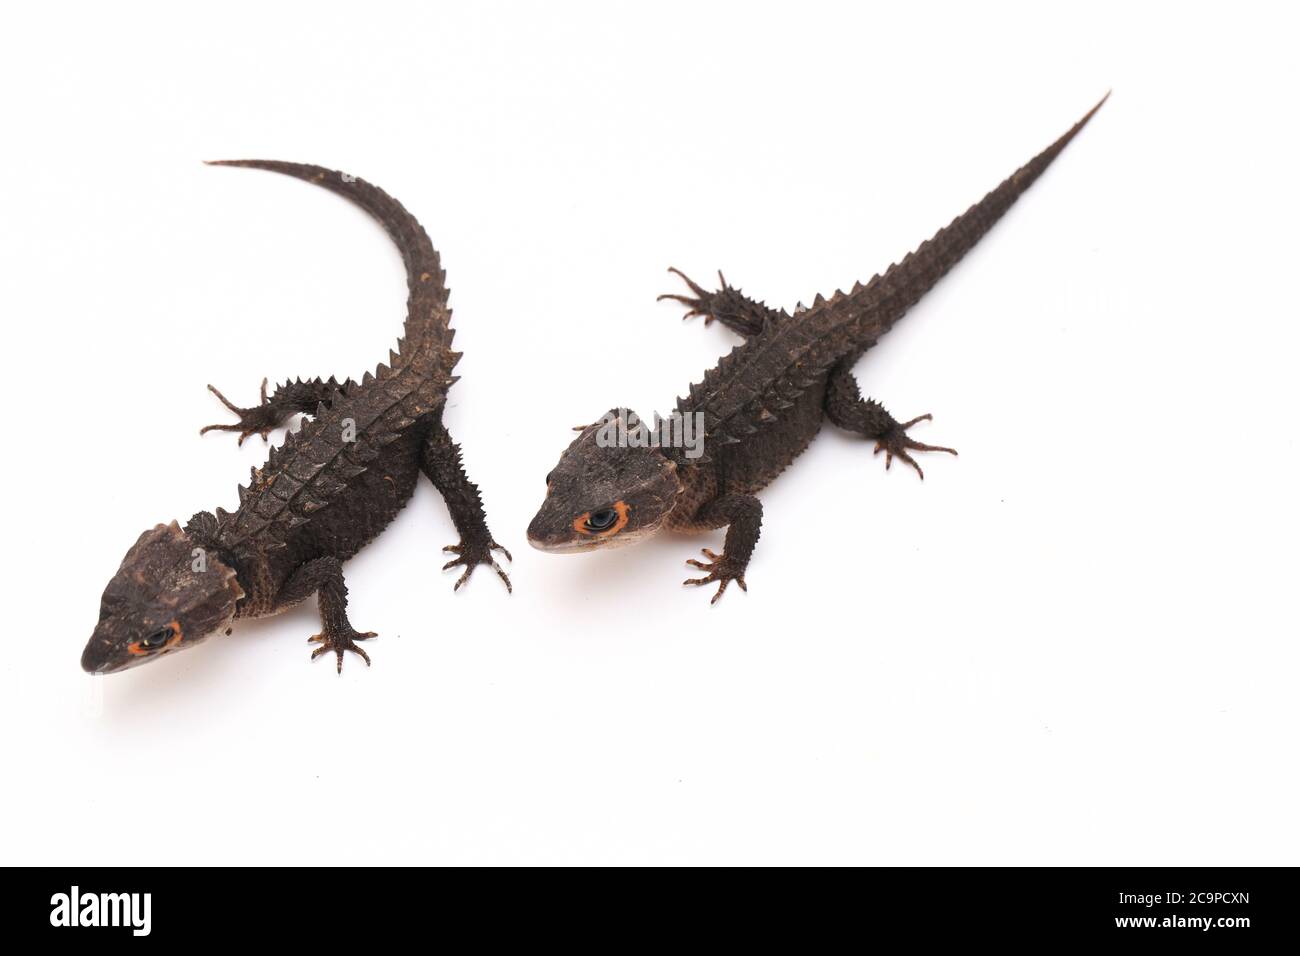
(169, 594)
(610, 488)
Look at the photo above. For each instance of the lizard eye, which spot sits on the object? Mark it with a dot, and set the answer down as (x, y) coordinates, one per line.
(602, 519)
(157, 639)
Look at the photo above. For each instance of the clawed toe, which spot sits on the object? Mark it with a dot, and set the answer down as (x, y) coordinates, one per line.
(719, 570)
(695, 563)
(340, 643)
(695, 306)
(472, 556)
(896, 443)
(258, 420)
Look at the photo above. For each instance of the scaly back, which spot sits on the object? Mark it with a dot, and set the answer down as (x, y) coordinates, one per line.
(314, 464)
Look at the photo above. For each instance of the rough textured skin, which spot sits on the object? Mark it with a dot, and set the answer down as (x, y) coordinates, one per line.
(336, 483)
(766, 400)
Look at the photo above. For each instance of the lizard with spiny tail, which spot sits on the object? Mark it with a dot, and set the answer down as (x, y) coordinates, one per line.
(331, 487)
(757, 409)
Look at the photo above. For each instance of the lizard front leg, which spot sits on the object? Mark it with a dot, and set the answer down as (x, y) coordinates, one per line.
(737, 312)
(324, 578)
(846, 407)
(441, 460)
(291, 398)
(743, 516)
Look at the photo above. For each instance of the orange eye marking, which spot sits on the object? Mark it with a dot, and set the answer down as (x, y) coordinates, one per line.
(135, 648)
(620, 509)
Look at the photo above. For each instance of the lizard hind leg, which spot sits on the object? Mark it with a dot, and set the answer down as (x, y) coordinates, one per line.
(728, 305)
(257, 420)
(846, 407)
(274, 410)
(697, 306)
(896, 442)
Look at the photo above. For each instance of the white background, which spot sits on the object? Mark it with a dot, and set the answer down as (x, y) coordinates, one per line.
(1076, 643)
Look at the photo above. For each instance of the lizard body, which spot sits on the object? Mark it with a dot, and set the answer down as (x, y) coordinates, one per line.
(758, 408)
(329, 489)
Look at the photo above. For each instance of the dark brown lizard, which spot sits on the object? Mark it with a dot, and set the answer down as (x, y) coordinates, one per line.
(623, 478)
(321, 496)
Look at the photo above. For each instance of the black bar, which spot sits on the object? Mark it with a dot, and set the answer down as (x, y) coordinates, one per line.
(1228, 907)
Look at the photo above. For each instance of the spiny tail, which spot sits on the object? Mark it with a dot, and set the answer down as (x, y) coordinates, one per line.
(890, 295)
(792, 354)
(427, 314)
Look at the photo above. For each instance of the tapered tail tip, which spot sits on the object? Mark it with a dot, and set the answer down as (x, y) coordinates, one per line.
(1051, 151)
(1100, 103)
